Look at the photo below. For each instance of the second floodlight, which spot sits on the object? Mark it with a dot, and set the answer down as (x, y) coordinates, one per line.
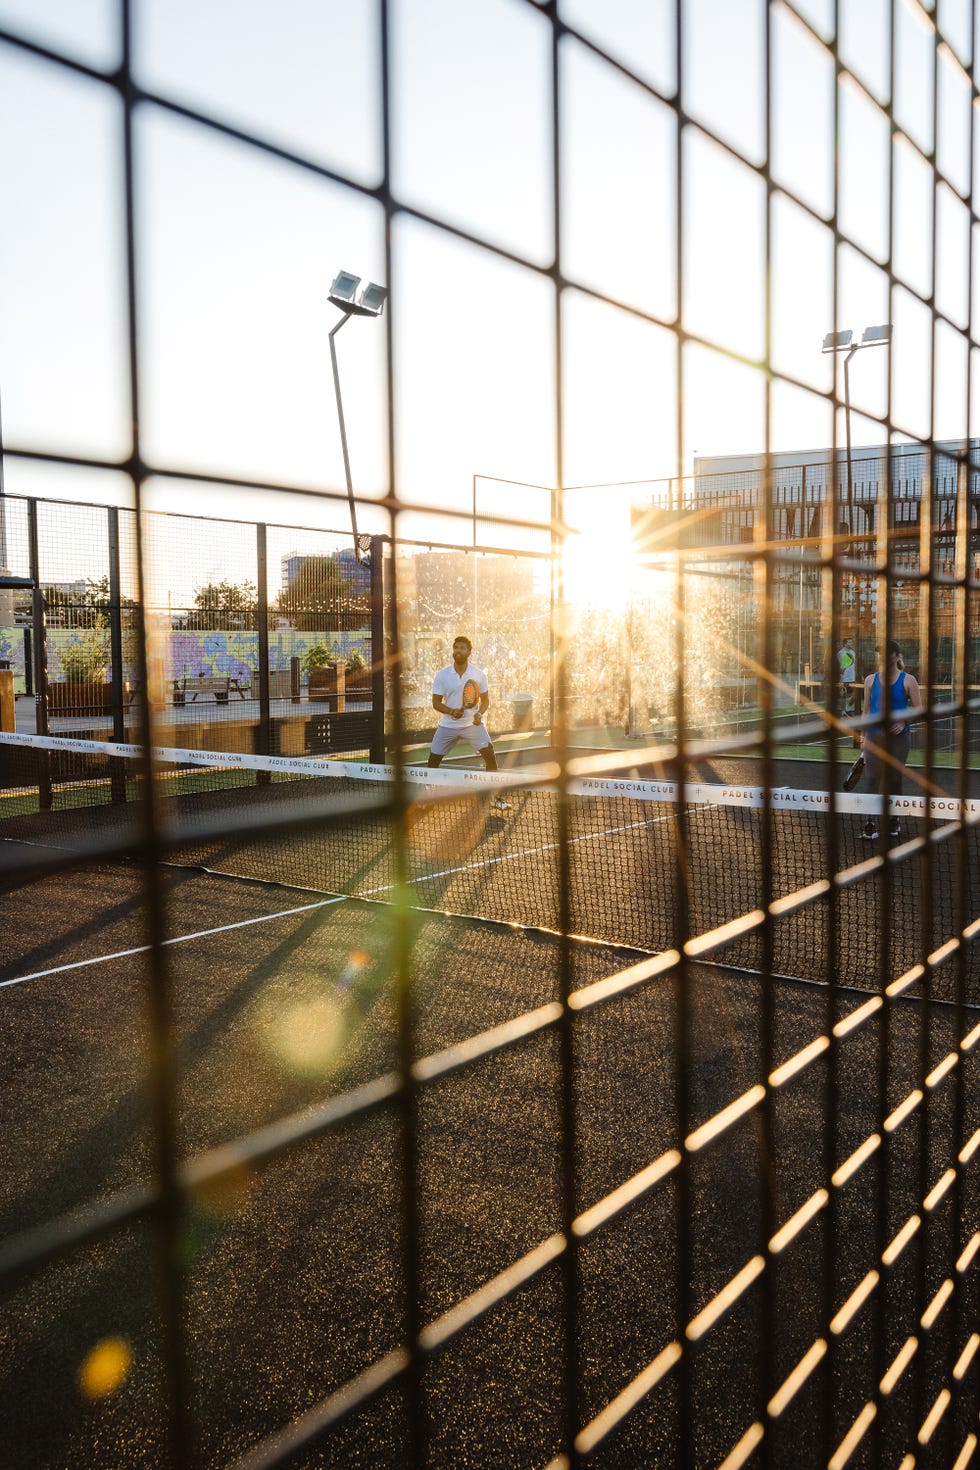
(343, 293)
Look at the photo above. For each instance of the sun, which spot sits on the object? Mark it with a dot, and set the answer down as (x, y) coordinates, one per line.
(599, 569)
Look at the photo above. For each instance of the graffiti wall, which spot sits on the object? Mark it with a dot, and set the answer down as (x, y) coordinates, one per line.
(237, 654)
(193, 653)
(12, 654)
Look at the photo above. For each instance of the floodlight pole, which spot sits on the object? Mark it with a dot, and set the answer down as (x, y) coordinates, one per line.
(847, 442)
(858, 581)
(872, 337)
(369, 301)
(343, 429)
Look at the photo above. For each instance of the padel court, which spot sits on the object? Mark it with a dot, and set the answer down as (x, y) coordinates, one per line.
(284, 1017)
(616, 1107)
(288, 1115)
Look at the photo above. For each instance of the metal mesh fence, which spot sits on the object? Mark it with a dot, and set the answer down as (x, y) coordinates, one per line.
(301, 1177)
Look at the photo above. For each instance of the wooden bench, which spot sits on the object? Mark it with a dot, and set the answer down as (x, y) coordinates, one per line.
(217, 684)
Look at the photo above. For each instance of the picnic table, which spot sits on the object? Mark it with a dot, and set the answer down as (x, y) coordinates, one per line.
(220, 685)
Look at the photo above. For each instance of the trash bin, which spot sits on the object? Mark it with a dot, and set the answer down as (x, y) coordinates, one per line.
(523, 711)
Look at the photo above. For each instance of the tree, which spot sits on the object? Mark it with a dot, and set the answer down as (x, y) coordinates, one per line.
(77, 605)
(319, 657)
(96, 595)
(84, 660)
(225, 605)
(326, 594)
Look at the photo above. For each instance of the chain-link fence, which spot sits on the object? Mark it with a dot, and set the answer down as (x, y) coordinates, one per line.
(615, 1103)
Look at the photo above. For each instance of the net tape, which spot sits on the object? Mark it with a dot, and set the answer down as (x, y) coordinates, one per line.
(428, 781)
(333, 826)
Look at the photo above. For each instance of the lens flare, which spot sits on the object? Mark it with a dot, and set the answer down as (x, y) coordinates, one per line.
(307, 1038)
(106, 1368)
(357, 963)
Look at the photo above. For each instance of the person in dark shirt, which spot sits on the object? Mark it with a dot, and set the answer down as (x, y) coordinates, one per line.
(884, 758)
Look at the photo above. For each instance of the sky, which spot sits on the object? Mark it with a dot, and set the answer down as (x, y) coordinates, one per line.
(236, 248)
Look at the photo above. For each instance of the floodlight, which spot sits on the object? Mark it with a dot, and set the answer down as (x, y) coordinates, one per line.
(877, 334)
(344, 288)
(370, 302)
(836, 341)
(343, 293)
(373, 298)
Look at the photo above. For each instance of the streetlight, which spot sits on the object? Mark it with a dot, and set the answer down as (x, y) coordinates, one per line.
(879, 336)
(369, 302)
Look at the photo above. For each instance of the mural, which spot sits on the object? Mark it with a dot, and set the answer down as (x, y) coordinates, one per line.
(12, 654)
(195, 653)
(191, 654)
(237, 653)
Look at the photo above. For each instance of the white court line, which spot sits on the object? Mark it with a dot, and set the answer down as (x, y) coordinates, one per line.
(123, 954)
(340, 898)
(324, 903)
(510, 857)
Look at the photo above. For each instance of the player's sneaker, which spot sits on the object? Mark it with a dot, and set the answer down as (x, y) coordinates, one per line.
(499, 805)
(894, 831)
(869, 832)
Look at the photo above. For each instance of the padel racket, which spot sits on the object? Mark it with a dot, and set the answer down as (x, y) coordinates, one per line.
(854, 774)
(471, 699)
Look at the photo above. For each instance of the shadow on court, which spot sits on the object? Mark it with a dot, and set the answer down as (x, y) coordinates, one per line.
(293, 1276)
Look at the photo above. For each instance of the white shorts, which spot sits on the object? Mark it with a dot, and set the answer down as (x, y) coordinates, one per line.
(476, 736)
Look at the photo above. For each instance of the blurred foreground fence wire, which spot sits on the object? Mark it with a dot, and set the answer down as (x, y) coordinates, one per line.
(515, 1192)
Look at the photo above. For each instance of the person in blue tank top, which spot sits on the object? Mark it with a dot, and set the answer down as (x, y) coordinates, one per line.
(885, 757)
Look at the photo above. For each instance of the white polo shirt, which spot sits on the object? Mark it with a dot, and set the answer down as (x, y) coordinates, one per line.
(450, 685)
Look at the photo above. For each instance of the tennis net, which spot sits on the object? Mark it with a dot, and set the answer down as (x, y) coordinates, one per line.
(650, 865)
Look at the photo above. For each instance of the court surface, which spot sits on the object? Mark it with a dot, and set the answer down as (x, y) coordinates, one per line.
(283, 999)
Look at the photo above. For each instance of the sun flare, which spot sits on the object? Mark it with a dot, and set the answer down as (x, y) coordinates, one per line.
(599, 570)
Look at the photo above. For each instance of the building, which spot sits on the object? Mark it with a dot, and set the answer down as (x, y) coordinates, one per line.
(907, 507)
(324, 591)
(355, 575)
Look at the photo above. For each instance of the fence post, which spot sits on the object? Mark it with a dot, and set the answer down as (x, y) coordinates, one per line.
(28, 664)
(377, 744)
(117, 779)
(264, 732)
(45, 796)
(115, 627)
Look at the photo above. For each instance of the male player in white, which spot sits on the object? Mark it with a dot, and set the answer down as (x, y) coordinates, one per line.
(461, 695)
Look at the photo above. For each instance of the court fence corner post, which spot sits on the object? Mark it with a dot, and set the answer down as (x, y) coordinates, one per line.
(377, 736)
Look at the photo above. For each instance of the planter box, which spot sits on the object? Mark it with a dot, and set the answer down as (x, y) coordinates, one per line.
(328, 683)
(280, 684)
(80, 698)
(333, 685)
